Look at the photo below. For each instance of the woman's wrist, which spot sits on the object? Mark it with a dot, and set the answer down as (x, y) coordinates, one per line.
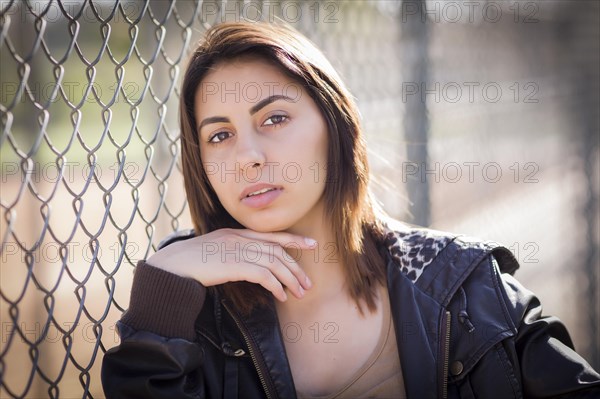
(169, 259)
(164, 303)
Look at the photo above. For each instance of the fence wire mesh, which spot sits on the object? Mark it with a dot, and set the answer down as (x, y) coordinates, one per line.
(91, 178)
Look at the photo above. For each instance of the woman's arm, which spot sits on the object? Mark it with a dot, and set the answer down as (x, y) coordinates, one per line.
(544, 351)
(157, 357)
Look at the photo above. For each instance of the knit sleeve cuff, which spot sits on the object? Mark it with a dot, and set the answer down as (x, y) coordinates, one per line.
(164, 303)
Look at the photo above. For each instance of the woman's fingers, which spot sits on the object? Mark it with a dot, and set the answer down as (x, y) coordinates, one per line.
(244, 243)
(271, 252)
(288, 273)
(274, 244)
(264, 277)
(266, 250)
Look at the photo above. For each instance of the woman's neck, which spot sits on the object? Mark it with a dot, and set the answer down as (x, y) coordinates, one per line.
(322, 265)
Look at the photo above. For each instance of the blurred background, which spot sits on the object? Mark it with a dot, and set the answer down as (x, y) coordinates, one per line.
(482, 118)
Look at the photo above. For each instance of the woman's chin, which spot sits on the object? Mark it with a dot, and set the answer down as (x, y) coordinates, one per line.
(264, 226)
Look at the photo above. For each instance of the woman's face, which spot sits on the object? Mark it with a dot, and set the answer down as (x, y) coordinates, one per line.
(259, 129)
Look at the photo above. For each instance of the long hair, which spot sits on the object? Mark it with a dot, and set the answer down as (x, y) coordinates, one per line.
(348, 202)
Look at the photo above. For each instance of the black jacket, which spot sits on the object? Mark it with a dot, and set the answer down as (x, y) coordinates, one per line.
(465, 328)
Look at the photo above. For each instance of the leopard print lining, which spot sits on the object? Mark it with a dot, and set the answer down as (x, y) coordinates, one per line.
(414, 249)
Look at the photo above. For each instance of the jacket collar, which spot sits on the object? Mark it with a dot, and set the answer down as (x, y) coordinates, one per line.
(426, 270)
(419, 321)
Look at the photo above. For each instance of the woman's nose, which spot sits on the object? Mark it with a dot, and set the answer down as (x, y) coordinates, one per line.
(250, 154)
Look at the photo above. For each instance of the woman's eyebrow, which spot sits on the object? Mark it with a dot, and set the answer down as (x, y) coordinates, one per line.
(263, 103)
(212, 119)
(260, 105)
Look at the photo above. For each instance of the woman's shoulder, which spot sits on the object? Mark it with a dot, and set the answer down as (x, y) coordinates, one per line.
(456, 269)
(416, 249)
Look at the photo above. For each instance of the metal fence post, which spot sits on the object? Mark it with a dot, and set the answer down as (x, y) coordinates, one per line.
(414, 46)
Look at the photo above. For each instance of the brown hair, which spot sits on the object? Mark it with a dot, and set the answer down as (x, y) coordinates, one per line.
(348, 201)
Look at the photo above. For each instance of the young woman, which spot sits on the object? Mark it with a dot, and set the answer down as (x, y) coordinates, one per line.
(292, 283)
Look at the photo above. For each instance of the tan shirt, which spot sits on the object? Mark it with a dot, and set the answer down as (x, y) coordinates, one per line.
(381, 375)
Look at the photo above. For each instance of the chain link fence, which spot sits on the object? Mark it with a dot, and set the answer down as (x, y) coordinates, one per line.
(91, 179)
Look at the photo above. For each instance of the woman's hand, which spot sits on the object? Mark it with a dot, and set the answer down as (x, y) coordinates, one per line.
(238, 255)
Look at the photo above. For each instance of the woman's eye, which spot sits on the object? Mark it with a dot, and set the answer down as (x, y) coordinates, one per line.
(219, 137)
(275, 120)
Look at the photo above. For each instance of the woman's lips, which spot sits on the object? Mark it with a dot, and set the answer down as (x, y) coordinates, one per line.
(262, 200)
(255, 188)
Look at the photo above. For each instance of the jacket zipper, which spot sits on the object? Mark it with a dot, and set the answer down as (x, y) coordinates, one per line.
(446, 352)
(251, 348)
